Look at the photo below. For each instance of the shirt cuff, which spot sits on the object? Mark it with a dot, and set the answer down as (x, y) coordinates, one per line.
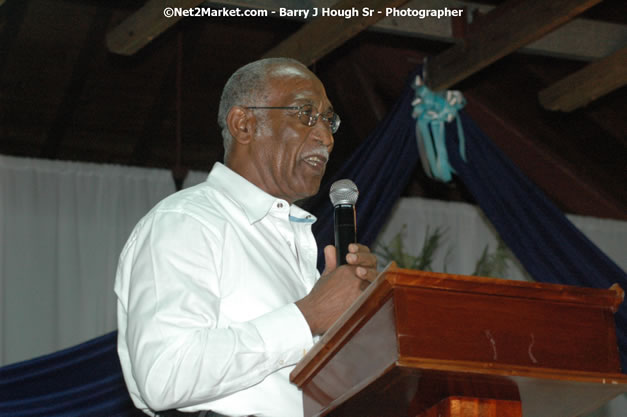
(285, 333)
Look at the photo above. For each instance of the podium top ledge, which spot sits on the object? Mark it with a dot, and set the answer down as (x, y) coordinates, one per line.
(606, 298)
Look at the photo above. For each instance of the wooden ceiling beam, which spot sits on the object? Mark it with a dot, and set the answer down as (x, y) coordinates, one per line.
(517, 23)
(144, 25)
(564, 182)
(316, 39)
(588, 84)
(579, 39)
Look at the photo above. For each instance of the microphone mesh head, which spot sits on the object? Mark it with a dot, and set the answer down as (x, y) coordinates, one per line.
(343, 192)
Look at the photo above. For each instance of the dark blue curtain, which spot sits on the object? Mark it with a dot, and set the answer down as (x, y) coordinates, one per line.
(86, 380)
(549, 246)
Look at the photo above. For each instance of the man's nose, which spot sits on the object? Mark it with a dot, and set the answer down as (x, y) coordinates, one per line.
(322, 134)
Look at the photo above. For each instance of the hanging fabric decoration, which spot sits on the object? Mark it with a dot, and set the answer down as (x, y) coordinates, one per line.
(431, 111)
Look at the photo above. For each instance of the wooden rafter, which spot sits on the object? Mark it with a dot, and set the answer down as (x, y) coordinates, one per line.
(588, 84)
(321, 36)
(144, 25)
(517, 23)
(601, 37)
(556, 176)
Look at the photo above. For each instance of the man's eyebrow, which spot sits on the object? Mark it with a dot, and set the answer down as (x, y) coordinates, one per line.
(304, 100)
(307, 100)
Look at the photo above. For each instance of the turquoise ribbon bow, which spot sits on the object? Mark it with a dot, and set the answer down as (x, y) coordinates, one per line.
(431, 111)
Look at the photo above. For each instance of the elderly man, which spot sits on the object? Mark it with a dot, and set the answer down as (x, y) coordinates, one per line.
(218, 291)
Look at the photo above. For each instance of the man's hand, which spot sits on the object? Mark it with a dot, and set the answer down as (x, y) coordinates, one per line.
(338, 287)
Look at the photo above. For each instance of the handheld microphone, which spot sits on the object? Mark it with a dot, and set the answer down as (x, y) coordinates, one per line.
(343, 195)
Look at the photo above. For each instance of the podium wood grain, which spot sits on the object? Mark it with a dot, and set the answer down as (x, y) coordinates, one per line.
(415, 339)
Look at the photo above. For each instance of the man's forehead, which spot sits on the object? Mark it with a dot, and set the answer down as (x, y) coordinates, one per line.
(305, 85)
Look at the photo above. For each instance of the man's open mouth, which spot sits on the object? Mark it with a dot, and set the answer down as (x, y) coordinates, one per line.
(316, 160)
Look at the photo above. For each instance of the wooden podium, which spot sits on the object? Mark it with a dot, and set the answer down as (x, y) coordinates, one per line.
(422, 344)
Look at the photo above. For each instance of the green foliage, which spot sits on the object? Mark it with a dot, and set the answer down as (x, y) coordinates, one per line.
(395, 250)
(493, 264)
(488, 265)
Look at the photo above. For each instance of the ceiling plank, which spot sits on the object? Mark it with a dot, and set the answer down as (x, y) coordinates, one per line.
(588, 84)
(316, 39)
(144, 25)
(581, 38)
(517, 24)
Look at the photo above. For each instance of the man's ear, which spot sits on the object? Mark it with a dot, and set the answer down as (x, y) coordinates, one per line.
(241, 124)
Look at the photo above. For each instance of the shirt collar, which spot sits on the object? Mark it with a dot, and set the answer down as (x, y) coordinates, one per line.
(255, 202)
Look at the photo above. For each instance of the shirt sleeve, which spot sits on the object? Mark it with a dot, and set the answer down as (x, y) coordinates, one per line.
(179, 357)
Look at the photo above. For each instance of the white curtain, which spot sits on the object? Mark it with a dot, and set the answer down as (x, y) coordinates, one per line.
(63, 225)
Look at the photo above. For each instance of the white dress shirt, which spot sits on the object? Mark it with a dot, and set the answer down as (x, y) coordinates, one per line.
(206, 286)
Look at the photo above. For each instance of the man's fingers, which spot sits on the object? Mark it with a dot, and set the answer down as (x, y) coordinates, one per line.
(366, 259)
(366, 262)
(358, 247)
(366, 274)
(330, 261)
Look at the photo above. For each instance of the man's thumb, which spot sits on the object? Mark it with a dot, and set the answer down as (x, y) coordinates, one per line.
(330, 259)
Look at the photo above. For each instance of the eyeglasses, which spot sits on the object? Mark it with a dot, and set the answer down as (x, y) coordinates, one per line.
(308, 118)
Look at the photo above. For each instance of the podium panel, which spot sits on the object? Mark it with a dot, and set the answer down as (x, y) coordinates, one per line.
(420, 342)
(471, 407)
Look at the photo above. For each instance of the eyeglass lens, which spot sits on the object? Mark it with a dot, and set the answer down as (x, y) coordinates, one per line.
(307, 116)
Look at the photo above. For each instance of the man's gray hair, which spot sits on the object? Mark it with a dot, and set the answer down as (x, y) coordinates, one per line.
(247, 87)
